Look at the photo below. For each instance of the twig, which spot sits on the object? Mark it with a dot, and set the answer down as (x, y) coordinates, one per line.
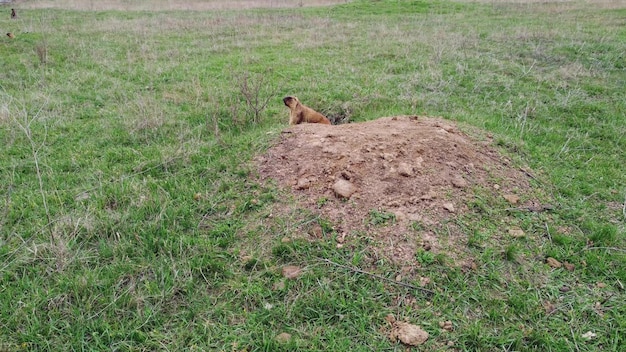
(564, 148)
(378, 276)
(574, 339)
(7, 201)
(607, 248)
(533, 209)
(34, 149)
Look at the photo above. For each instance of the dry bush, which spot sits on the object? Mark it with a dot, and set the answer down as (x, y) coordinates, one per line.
(257, 92)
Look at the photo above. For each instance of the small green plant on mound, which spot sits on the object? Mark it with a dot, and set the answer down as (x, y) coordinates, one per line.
(322, 201)
(425, 257)
(381, 217)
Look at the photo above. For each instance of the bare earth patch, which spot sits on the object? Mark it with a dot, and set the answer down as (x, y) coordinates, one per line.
(394, 180)
(168, 5)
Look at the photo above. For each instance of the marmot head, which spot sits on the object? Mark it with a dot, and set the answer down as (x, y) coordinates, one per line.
(291, 102)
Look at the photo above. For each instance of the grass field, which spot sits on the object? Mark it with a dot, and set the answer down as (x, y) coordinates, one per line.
(131, 217)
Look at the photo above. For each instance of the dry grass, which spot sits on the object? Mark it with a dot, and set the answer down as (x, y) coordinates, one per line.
(556, 4)
(165, 5)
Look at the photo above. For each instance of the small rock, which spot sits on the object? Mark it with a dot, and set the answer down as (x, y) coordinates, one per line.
(400, 216)
(511, 198)
(516, 232)
(279, 285)
(85, 195)
(496, 186)
(449, 207)
(565, 289)
(346, 175)
(459, 182)
(600, 285)
(410, 334)
(568, 266)
(405, 169)
(303, 183)
(424, 281)
(589, 335)
(549, 308)
(418, 162)
(469, 266)
(446, 325)
(448, 128)
(283, 337)
(344, 189)
(291, 271)
(387, 156)
(428, 196)
(553, 262)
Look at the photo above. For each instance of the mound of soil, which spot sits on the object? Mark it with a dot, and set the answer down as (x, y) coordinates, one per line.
(393, 180)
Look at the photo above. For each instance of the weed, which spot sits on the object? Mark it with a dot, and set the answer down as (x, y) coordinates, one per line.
(327, 226)
(417, 226)
(379, 217)
(425, 257)
(321, 202)
(511, 252)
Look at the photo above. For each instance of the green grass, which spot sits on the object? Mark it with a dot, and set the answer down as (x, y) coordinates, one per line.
(131, 217)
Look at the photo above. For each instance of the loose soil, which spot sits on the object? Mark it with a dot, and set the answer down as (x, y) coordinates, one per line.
(399, 181)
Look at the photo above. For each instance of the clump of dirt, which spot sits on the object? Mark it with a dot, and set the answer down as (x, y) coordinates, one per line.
(392, 180)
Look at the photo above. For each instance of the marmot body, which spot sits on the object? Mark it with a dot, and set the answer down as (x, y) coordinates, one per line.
(298, 113)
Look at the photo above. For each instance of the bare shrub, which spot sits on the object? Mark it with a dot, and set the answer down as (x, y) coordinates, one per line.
(25, 120)
(42, 52)
(257, 92)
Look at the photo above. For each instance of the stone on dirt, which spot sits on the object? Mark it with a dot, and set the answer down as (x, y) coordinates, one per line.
(405, 169)
(344, 189)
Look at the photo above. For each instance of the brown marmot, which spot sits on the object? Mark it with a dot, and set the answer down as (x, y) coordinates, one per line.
(300, 114)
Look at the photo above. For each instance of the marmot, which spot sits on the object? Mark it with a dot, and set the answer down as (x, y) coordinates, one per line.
(301, 114)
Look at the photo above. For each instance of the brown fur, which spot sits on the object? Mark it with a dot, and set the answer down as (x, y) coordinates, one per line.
(10, 35)
(298, 113)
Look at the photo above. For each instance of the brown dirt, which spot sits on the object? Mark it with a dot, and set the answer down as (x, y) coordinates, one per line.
(423, 170)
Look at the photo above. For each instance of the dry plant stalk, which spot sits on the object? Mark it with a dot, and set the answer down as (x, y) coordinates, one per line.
(25, 126)
(42, 52)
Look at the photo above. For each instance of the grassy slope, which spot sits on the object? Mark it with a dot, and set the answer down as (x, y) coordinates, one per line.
(112, 251)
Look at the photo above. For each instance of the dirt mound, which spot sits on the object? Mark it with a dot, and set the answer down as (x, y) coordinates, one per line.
(394, 180)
